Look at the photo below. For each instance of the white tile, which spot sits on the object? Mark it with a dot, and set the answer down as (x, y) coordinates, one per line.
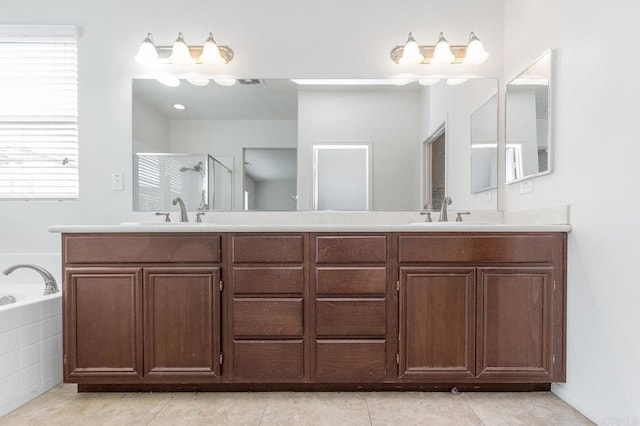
(50, 307)
(28, 335)
(51, 347)
(9, 387)
(29, 355)
(8, 319)
(30, 377)
(8, 342)
(50, 327)
(52, 382)
(29, 314)
(51, 367)
(9, 364)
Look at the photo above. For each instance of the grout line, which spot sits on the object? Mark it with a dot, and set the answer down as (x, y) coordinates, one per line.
(264, 410)
(466, 402)
(366, 401)
(160, 410)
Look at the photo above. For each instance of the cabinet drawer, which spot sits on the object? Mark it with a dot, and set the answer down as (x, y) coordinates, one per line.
(141, 248)
(259, 317)
(349, 317)
(267, 249)
(279, 360)
(529, 248)
(350, 281)
(351, 249)
(268, 280)
(347, 360)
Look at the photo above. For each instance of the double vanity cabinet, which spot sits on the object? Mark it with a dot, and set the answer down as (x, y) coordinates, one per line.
(314, 310)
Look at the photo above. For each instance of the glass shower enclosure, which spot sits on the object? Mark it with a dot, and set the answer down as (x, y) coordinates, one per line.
(200, 180)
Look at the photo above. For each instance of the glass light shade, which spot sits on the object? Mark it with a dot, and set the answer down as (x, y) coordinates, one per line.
(224, 81)
(180, 52)
(428, 81)
(147, 54)
(198, 81)
(475, 52)
(442, 52)
(411, 53)
(168, 80)
(456, 81)
(211, 52)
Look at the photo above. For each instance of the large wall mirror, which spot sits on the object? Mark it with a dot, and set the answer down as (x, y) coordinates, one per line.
(528, 143)
(265, 133)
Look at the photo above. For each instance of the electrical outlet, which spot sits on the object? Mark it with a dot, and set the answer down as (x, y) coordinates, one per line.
(117, 182)
(526, 187)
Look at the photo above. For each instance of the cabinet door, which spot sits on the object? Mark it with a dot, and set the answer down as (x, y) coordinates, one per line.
(437, 312)
(514, 324)
(182, 324)
(103, 325)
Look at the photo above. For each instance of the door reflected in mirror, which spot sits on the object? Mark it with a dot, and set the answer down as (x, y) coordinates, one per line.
(484, 146)
(270, 178)
(528, 143)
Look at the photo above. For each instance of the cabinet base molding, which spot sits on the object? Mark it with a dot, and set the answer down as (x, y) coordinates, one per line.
(315, 387)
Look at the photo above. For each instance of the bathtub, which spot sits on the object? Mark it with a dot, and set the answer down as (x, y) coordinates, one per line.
(30, 344)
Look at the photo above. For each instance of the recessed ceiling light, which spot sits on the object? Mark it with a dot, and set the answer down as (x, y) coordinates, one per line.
(179, 106)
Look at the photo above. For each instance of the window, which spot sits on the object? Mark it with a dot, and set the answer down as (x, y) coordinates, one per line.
(38, 112)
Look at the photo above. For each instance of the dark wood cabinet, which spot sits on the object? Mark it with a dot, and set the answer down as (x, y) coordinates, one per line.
(236, 311)
(181, 323)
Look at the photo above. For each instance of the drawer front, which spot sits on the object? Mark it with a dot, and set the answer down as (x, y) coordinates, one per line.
(267, 248)
(268, 280)
(253, 317)
(529, 248)
(350, 360)
(351, 249)
(141, 248)
(350, 318)
(275, 360)
(351, 281)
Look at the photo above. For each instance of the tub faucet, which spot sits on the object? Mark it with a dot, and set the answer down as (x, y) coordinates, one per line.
(50, 285)
(443, 209)
(183, 209)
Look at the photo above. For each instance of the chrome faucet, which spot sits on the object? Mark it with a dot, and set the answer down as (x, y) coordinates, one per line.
(443, 209)
(50, 285)
(183, 209)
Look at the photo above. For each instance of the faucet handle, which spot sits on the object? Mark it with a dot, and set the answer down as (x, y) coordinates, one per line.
(428, 218)
(198, 218)
(166, 216)
(459, 218)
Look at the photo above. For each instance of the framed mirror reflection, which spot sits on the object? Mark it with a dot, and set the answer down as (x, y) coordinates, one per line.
(270, 123)
(528, 144)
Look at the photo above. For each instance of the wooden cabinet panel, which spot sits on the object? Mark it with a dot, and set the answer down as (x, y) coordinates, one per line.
(350, 360)
(370, 281)
(141, 248)
(514, 324)
(462, 247)
(437, 311)
(351, 318)
(267, 248)
(268, 280)
(273, 360)
(182, 323)
(264, 317)
(103, 324)
(351, 249)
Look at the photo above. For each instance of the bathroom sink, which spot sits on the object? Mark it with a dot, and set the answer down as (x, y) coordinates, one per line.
(465, 223)
(162, 223)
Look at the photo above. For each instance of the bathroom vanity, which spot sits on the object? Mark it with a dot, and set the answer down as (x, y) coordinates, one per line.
(314, 308)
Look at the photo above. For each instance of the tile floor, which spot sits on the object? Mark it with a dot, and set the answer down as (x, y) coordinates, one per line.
(64, 406)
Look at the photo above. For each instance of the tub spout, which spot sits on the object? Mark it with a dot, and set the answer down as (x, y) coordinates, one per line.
(50, 285)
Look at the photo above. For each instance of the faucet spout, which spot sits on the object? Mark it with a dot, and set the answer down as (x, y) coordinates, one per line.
(443, 209)
(50, 284)
(183, 209)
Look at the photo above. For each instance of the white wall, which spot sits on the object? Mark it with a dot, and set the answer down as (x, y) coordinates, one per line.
(595, 132)
(275, 195)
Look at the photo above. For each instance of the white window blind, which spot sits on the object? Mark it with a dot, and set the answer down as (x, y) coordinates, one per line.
(38, 112)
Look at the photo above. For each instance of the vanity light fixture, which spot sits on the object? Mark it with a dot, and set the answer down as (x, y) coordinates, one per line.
(441, 53)
(456, 81)
(182, 54)
(428, 81)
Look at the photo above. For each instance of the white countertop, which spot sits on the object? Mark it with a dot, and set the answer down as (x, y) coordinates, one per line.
(133, 227)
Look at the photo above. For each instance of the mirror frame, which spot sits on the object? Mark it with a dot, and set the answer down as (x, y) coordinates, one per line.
(550, 147)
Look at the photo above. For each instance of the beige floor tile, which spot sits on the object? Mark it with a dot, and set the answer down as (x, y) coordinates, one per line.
(526, 408)
(419, 408)
(318, 408)
(239, 408)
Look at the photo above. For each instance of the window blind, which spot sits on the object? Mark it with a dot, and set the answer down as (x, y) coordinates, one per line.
(38, 112)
